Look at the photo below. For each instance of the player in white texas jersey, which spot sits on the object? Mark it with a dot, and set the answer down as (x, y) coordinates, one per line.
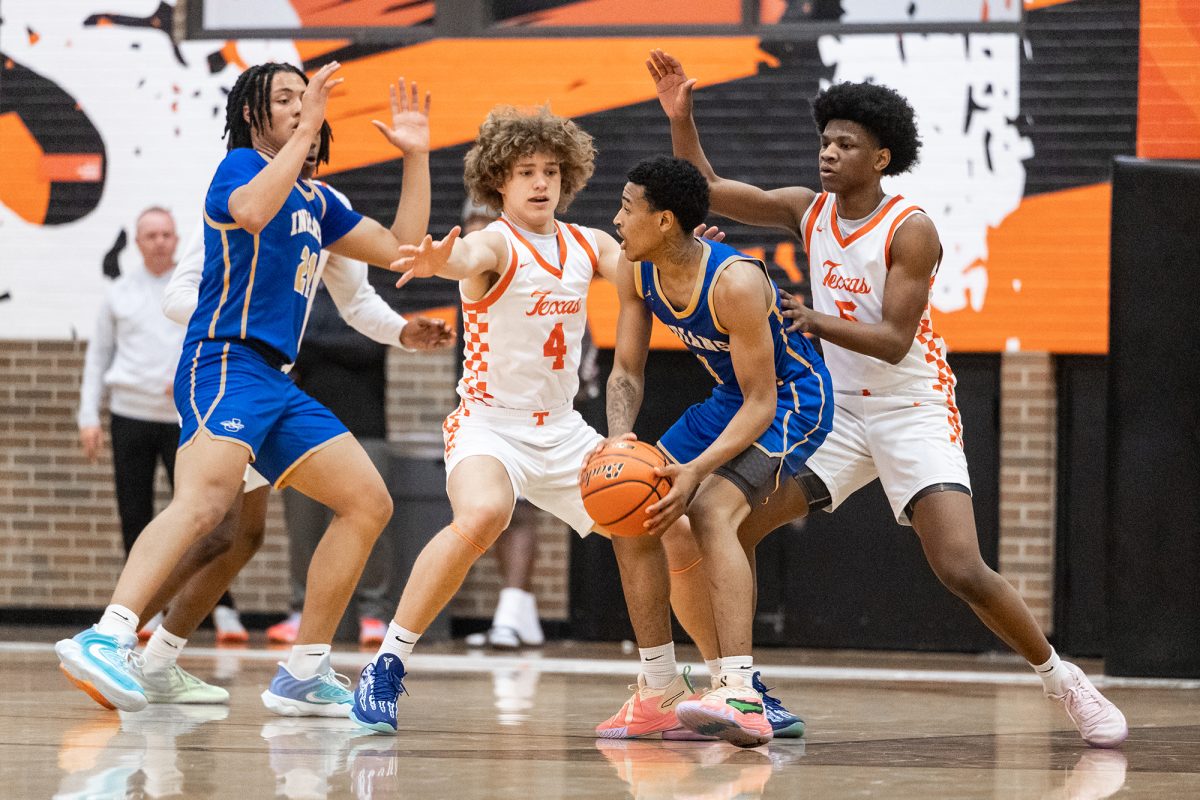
(872, 260)
(524, 281)
(539, 299)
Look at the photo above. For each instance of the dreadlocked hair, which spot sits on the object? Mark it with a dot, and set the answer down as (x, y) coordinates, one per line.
(252, 91)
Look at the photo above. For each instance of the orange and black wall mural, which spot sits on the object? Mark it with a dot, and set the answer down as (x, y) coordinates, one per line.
(102, 113)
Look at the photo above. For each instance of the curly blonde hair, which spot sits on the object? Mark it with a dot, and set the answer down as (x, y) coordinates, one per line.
(509, 134)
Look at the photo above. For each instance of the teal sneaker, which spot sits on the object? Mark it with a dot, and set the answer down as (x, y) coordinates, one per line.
(784, 723)
(100, 665)
(326, 694)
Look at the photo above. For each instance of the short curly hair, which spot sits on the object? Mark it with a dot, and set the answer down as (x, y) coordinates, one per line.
(509, 134)
(674, 185)
(882, 111)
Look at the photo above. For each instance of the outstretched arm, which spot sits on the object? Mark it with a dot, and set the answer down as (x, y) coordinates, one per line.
(453, 258)
(914, 255)
(364, 310)
(776, 208)
(369, 241)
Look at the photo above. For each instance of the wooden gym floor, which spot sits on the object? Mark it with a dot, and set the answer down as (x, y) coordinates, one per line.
(479, 725)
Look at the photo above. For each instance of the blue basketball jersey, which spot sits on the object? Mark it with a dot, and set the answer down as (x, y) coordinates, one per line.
(702, 334)
(255, 287)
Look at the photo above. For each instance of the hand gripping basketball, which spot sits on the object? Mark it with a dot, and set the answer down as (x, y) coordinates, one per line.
(618, 484)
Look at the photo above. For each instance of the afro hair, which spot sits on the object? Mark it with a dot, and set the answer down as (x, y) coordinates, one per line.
(882, 111)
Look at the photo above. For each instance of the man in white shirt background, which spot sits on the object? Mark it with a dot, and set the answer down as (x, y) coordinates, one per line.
(131, 360)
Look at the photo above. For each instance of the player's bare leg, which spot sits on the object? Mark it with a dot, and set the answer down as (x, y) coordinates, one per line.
(945, 522)
(689, 588)
(342, 478)
(482, 499)
(208, 476)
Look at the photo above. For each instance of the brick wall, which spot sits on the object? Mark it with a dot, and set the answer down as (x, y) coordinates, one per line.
(1028, 430)
(60, 543)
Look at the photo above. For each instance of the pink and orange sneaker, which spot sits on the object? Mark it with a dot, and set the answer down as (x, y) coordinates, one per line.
(733, 712)
(285, 632)
(649, 710)
(1100, 723)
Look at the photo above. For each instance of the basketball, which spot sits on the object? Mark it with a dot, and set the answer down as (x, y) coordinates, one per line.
(619, 483)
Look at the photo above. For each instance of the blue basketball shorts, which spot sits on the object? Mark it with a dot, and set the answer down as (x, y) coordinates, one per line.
(230, 392)
(802, 420)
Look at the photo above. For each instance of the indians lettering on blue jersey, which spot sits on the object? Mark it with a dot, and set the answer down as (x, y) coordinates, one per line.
(257, 286)
(804, 390)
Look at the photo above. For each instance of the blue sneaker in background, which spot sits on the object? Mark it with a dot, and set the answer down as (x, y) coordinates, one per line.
(379, 686)
(326, 694)
(784, 723)
(99, 665)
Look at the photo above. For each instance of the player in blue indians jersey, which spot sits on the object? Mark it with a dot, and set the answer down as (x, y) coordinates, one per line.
(266, 224)
(771, 408)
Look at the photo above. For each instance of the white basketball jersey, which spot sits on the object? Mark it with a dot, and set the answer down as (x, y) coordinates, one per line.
(847, 272)
(523, 338)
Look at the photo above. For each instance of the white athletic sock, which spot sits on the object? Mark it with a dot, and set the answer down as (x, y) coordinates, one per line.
(736, 670)
(162, 650)
(307, 660)
(118, 621)
(509, 607)
(399, 641)
(714, 668)
(1053, 674)
(658, 665)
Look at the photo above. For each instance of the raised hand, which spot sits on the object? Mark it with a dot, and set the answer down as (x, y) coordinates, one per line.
(316, 95)
(673, 86)
(426, 259)
(409, 130)
(426, 333)
(710, 232)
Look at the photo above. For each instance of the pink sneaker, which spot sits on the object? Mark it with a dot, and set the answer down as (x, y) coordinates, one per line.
(371, 631)
(648, 710)
(1100, 723)
(285, 632)
(733, 713)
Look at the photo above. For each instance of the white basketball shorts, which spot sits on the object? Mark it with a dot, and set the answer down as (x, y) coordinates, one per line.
(909, 440)
(541, 451)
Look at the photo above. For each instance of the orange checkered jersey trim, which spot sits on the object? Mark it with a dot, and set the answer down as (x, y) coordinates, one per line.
(935, 353)
(475, 330)
(451, 425)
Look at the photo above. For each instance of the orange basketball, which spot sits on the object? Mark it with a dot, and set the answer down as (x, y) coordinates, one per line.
(619, 482)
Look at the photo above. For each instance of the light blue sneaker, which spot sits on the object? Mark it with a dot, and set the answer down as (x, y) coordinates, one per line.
(784, 723)
(100, 665)
(379, 686)
(326, 694)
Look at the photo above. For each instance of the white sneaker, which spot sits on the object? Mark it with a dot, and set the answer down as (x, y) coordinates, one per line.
(1100, 723)
(515, 623)
(229, 626)
(177, 685)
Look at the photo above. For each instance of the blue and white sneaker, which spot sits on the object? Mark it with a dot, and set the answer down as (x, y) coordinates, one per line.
(379, 686)
(784, 723)
(99, 665)
(326, 694)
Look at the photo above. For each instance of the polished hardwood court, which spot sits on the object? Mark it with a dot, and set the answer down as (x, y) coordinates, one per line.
(482, 725)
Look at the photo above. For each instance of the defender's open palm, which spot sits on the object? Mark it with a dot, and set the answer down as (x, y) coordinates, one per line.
(409, 130)
(316, 95)
(426, 259)
(673, 86)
